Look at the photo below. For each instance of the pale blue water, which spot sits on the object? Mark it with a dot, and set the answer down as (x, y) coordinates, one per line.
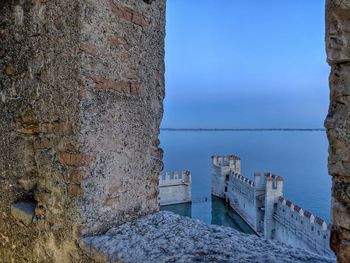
(220, 214)
(300, 157)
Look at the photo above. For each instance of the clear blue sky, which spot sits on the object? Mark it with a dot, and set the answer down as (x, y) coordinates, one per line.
(245, 64)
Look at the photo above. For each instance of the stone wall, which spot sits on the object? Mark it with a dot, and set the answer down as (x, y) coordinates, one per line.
(261, 205)
(81, 91)
(220, 169)
(241, 196)
(338, 122)
(175, 189)
(299, 227)
(121, 81)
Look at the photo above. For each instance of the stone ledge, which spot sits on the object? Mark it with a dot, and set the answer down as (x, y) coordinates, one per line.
(166, 237)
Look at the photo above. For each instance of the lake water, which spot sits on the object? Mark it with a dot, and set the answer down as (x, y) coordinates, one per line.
(299, 156)
(220, 214)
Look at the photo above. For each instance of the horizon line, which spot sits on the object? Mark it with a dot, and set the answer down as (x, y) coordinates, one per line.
(242, 129)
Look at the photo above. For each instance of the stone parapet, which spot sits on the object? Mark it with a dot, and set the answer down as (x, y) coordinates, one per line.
(164, 237)
(81, 100)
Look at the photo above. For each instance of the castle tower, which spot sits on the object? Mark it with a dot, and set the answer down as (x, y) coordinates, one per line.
(257, 178)
(235, 164)
(273, 190)
(218, 181)
(187, 179)
(222, 167)
(259, 192)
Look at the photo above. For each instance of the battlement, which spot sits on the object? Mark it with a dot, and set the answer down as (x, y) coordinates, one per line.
(261, 204)
(300, 227)
(304, 213)
(270, 176)
(175, 178)
(175, 188)
(243, 179)
(227, 163)
(224, 160)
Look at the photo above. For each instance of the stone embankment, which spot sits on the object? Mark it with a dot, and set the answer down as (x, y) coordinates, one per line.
(166, 237)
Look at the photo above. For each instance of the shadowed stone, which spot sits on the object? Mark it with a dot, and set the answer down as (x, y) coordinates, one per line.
(23, 211)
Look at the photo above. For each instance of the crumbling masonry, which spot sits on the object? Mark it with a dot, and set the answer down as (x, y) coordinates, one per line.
(338, 122)
(81, 100)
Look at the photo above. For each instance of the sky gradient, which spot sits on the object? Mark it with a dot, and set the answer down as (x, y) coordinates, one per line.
(245, 64)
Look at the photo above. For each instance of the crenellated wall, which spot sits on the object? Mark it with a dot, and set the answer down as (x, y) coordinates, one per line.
(222, 165)
(262, 206)
(240, 193)
(294, 225)
(175, 188)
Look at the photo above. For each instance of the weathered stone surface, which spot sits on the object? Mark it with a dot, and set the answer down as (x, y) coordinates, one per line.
(23, 211)
(338, 122)
(148, 1)
(340, 239)
(166, 237)
(122, 86)
(338, 31)
(10, 70)
(75, 159)
(39, 114)
(121, 113)
(57, 118)
(341, 201)
(81, 91)
(129, 14)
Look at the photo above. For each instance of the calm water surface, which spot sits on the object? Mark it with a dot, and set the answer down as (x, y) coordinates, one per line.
(300, 157)
(220, 214)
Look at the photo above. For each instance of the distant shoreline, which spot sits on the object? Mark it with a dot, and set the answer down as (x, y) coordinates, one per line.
(241, 129)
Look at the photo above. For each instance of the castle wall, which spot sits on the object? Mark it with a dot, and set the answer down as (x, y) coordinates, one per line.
(80, 106)
(175, 189)
(218, 181)
(222, 167)
(300, 228)
(262, 206)
(273, 190)
(240, 196)
(235, 189)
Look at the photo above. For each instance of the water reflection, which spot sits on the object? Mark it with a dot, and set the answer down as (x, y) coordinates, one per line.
(219, 214)
(180, 209)
(223, 215)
